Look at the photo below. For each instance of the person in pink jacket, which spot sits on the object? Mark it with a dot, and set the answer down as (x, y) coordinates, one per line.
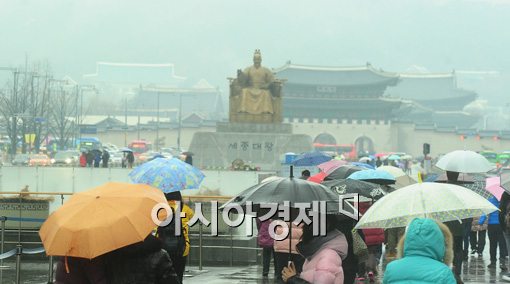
(265, 241)
(285, 250)
(323, 254)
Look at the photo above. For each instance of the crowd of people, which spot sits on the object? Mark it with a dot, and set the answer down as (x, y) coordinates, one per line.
(96, 158)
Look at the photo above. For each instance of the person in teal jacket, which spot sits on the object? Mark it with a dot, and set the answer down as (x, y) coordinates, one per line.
(425, 253)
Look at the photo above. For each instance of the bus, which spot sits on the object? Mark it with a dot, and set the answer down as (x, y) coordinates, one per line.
(490, 155)
(88, 143)
(140, 146)
(346, 150)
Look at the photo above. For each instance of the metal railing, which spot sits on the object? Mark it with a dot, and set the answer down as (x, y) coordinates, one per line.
(19, 250)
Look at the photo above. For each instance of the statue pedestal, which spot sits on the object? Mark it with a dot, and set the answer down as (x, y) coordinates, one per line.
(256, 144)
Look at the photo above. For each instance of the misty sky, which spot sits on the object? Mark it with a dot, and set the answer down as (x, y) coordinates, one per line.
(211, 39)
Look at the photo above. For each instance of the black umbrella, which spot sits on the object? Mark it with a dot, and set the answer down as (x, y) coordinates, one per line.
(343, 172)
(279, 190)
(351, 186)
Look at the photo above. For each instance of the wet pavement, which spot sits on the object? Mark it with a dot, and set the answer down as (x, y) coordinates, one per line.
(474, 271)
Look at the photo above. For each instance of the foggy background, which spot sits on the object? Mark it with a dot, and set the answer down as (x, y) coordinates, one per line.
(212, 39)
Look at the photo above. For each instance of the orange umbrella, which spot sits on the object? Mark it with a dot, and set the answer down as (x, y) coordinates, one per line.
(101, 220)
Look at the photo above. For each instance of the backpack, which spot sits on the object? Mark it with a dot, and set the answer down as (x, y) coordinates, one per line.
(173, 244)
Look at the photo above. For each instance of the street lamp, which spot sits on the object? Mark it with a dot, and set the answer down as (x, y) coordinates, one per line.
(157, 124)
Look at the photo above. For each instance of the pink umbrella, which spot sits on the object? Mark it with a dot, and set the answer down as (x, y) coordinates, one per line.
(331, 165)
(493, 185)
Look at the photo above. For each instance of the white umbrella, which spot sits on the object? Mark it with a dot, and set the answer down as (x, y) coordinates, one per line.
(364, 159)
(439, 201)
(464, 161)
(394, 171)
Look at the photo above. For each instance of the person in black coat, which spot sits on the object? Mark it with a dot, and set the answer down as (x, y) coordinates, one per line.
(105, 158)
(141, 263)
(81, 271)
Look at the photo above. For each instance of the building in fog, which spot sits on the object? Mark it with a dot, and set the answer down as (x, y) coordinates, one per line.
(337, 93)
(365, 93)
(435, 99)
(152, 89)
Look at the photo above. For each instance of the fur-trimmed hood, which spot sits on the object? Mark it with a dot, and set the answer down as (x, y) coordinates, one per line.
(428, 238)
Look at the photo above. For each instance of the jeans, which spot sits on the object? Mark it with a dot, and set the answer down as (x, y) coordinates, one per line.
(467, 235)
(179, 264)
(458, 254)
(267, 254)
(477, 240)
(496, 238)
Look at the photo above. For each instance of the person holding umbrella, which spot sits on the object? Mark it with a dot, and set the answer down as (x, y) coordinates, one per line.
(178, 255)
(142, 262)
(323, 254)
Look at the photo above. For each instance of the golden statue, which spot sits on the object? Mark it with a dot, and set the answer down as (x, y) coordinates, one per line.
(255, 95)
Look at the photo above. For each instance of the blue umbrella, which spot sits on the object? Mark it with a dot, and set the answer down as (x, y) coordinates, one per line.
(374, 176)
(311, 159)
(169, 175)
(363, 165)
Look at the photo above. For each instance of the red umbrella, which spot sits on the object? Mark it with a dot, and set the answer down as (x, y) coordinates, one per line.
(318, 178)
(332, 165)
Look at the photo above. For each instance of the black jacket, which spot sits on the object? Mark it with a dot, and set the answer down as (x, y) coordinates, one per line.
(141, 263)
(503, 207)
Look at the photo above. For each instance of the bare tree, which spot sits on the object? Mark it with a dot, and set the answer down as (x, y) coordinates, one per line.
(61, 114)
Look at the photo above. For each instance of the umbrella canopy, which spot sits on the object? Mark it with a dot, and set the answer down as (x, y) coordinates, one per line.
(311, 159)
(404, 181)
(317, 178)
(505, 181)
(394, 157)
(277, 191)
(331, 165)
(343, 172)
(380, 155)
(352, 186)
(439, 201)
(101, 220)
(394, 171)
(374, 176)
(125, 149)
(493, 185)
(169, 175)
(363, 165)
(365, 159)
(462, 178)
(464, 161)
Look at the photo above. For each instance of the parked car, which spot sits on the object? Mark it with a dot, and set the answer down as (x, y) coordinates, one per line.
(66, 158)
(116, 159)
(39, 160)
(21, 160)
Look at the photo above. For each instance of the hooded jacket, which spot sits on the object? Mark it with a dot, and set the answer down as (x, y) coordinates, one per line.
(295, 235)
(426, 252)
(324, 255)
(141, 263)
